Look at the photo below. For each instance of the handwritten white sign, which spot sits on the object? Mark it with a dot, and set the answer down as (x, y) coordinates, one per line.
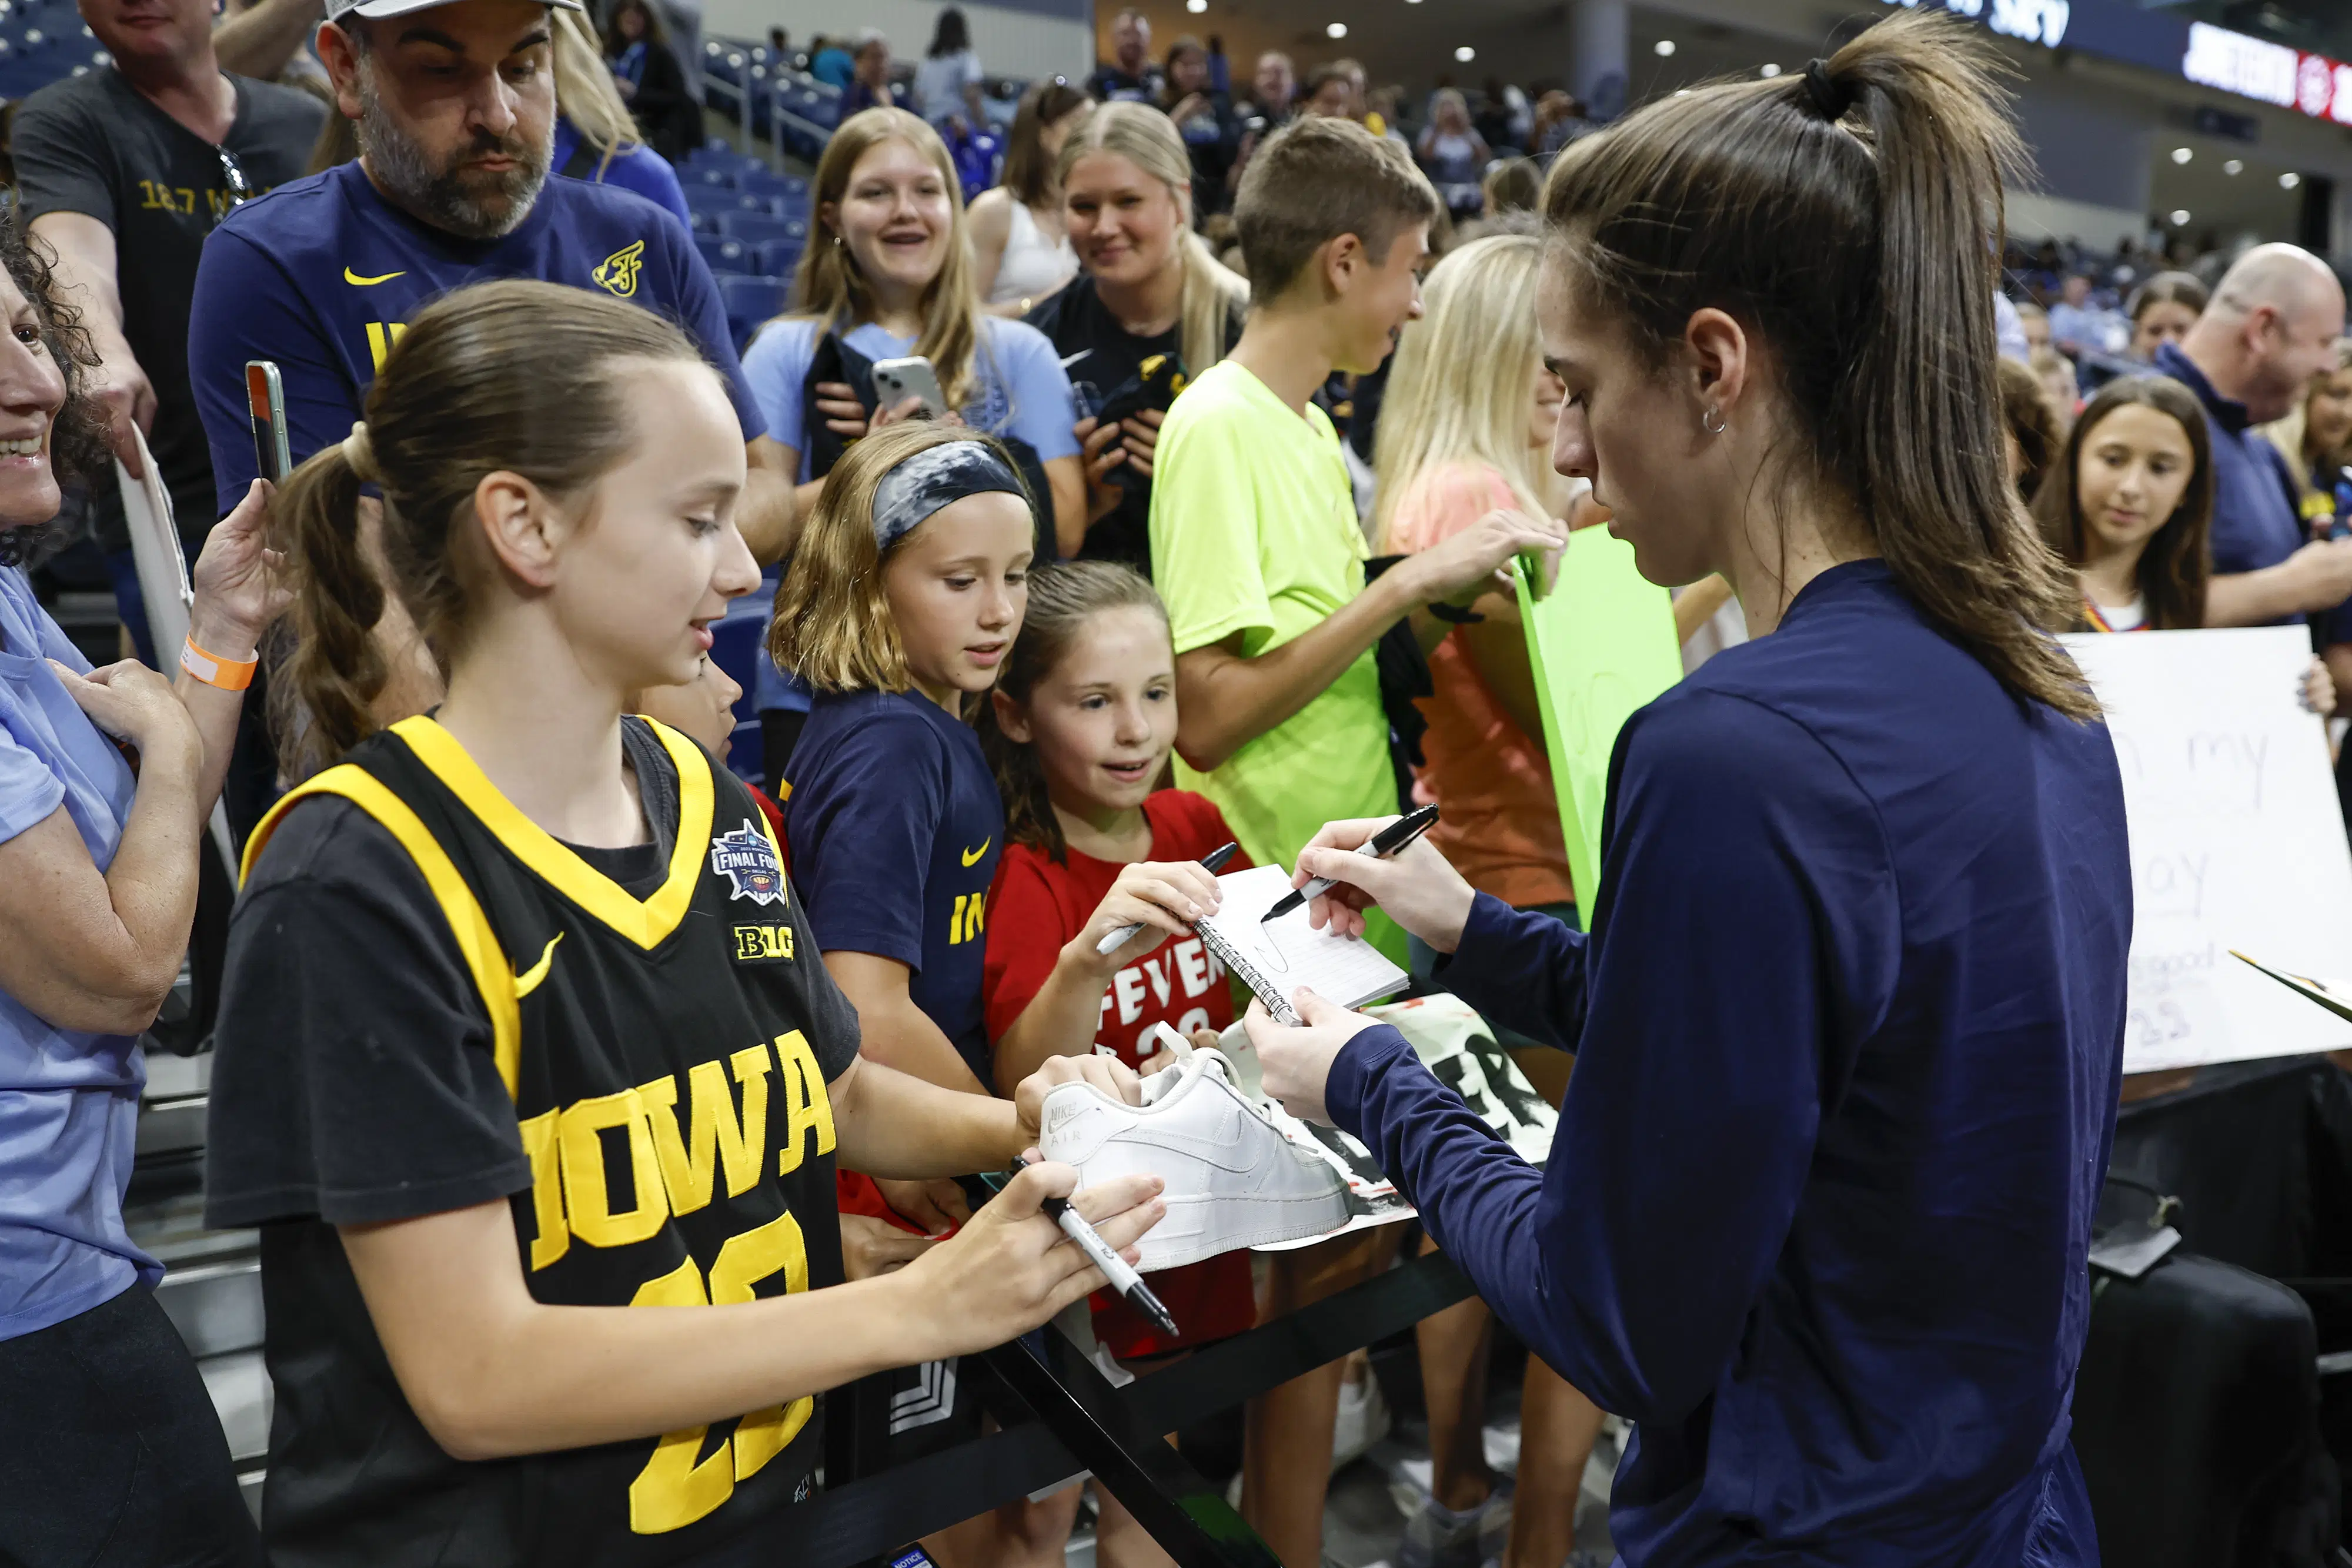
(2237, 840)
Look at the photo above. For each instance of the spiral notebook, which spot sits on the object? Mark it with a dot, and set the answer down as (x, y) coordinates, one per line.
(1276, 957)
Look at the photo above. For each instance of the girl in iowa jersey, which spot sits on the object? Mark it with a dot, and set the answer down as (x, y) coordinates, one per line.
(524, 1025)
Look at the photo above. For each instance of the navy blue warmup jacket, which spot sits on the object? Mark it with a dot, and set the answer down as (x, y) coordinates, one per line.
(1848, 1026)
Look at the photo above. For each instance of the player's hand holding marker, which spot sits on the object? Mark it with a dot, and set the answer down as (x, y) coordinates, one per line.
(1418, 889)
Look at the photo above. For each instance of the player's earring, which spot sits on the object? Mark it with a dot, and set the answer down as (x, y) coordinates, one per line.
(1711, 419)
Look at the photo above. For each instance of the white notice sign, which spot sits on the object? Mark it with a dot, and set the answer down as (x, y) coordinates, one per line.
(2237, 840)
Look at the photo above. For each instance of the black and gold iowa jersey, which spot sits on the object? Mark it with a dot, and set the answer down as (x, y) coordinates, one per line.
(672, 1104)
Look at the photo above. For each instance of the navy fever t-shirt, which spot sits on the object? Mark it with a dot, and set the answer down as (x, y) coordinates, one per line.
(323, 275)
(894, 825)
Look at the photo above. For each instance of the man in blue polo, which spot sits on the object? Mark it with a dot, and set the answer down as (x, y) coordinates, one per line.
(455, 102)
(2250, 358)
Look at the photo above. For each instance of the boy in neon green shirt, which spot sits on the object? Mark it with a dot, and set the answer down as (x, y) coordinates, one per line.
(1257, 552)
(1254, 542)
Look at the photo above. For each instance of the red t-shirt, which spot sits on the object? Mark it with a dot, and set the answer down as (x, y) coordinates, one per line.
(1034, 908)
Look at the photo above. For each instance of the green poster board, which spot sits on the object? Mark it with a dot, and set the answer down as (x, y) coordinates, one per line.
(1602, 644)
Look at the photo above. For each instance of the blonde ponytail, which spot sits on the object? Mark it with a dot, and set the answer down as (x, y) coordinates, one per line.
(1212, 297)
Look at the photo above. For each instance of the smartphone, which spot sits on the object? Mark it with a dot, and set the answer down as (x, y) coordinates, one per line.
(896, 381)
(264, 396)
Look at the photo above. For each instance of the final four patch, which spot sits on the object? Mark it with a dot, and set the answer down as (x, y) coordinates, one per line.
(745, 858)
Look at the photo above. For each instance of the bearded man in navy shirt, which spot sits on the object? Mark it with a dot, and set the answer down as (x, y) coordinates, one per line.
(456, 109)
(2250, 358)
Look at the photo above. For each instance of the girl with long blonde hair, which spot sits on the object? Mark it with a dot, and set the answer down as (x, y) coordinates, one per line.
(1466, 427)
(596, 138)
(889, 274)
(1148, 291)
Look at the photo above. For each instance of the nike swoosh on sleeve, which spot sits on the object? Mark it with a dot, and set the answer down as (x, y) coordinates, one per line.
(351, 277)
(1074, 359)
(971, 857)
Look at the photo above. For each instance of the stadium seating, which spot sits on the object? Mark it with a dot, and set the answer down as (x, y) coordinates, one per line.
(41, 43)
(724, 255)
(761, 226)
(749, 301)
(778, 257)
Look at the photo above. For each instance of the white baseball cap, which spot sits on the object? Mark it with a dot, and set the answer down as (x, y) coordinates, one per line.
(377, 9)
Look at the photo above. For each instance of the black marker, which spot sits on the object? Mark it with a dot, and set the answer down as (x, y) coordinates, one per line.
(1214, 861)
(1115, 1269)
(1388, 841)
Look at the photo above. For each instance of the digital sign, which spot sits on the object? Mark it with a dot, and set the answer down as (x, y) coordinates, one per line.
(2275, 73)
(2196, 51)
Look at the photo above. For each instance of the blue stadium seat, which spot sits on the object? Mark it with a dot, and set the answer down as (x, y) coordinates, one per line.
(711, 172)
(750, 301)
(764, 180)
(760, 228)
(712, 205)
(778, 257)
(725, 256)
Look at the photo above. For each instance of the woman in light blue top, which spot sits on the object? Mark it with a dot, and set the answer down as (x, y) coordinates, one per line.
(891, 271)
(106, 1435)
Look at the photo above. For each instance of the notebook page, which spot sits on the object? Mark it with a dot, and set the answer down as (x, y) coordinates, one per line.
(1287, 954)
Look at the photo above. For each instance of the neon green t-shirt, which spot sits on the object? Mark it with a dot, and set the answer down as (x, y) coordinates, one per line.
(1253, 531)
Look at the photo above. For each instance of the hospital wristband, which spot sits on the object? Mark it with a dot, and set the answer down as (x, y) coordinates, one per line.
(228, 674)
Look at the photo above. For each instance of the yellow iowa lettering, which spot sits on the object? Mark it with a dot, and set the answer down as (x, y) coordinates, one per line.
(581, 1133)
(715, 1136)
(807, 1107)
(554, 1237)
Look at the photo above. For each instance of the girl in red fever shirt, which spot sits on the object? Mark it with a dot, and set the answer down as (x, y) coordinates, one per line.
(1084, 716)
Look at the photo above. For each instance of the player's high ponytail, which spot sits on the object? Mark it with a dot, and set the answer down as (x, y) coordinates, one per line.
(1850, 215)
(520, 377)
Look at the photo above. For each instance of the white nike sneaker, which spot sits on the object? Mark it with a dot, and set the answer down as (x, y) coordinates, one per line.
(1234, 1177)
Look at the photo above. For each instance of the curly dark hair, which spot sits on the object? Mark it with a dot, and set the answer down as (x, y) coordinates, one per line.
(78, 444)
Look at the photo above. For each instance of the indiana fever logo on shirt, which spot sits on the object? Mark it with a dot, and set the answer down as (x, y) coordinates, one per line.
(617, 273)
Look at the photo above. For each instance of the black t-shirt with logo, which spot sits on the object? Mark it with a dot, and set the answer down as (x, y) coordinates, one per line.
(92, 144)
(631, 1049)
(1100, 354)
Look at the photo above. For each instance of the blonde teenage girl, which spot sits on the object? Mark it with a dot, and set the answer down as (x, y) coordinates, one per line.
(1149, 304)
(1465, 430)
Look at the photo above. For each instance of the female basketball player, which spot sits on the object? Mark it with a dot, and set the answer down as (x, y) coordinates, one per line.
(1849, 1021)
(524, 1025)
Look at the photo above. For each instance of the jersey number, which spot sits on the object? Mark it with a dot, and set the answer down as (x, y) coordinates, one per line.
(678, 1486)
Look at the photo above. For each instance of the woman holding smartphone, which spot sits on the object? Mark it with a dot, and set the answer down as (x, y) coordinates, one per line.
(889, 275)
(1150, 309)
